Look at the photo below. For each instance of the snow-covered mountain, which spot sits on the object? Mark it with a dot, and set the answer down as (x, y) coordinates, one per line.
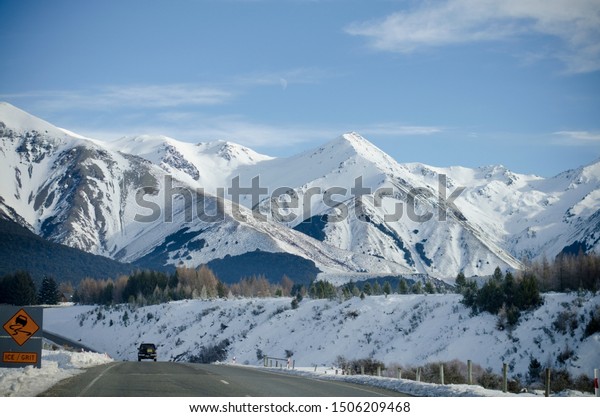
(87, 195)
(116, 199)
(503, 217)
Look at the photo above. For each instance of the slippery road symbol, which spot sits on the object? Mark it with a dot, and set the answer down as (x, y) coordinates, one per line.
(21, 327)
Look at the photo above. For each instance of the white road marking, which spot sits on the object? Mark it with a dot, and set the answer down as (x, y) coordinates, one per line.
(225, 382)
(82, 393)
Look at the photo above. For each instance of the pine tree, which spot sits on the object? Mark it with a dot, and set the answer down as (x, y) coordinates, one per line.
(19, 289)
(322, 289)
(367, 289)
(461, 282)
(387, 288)
(497, 275)
(510, 288)
(221, 289)
(417, 288)
(490, 297)
(403, 287)
(48, 292)
(528, 294)
(470, 294)
(107, 293)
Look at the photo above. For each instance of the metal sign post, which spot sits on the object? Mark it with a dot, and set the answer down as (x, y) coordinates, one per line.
(21, 336)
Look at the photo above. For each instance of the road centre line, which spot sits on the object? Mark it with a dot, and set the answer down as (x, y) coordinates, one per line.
(82, 393)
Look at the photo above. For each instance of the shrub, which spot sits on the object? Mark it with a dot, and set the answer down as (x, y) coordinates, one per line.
(584, 383)
(211, 353)
(490, 380)
(565, 321)
(560, 380)
(594, 324)
(565, 355)
(534, 372)
(454, 372)
(514, 386)
(355, 366)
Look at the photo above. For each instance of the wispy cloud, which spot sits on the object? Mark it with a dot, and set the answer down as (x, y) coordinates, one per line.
(197, 127)
(292, 76)
(397, 129)
(132, 96)
(574, 23)
(579, 137)
(166, 95)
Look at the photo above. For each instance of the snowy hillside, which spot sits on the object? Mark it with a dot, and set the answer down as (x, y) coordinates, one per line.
(346, 206)
(403, 329)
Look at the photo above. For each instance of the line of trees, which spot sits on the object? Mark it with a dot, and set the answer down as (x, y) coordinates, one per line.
(503, 294)
(567, 272)
(20, 289)
(151, 287)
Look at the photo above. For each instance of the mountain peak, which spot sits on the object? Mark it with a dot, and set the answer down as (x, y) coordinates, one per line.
(355, 144)
(354, 139)
(17, 122)
(21, 121)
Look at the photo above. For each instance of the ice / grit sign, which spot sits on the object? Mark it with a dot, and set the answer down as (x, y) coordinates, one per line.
(20, 357)
(21, 336)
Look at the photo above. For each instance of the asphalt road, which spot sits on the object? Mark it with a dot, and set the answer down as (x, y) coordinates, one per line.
(173, 379)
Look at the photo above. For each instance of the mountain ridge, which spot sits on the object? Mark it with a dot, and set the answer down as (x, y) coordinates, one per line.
(86, 194)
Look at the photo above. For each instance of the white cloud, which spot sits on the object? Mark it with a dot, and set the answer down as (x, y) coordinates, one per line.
(579, 136)
(292, 76)
(575, 23)
(132, 96)
(165, 95)
(396, 129)
(196, 127)
(172, 95)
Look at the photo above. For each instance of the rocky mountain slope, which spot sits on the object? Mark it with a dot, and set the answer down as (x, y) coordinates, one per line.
(347, 207)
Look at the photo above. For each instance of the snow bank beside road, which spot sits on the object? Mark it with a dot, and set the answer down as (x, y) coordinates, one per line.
(420, 389)
(56, 366)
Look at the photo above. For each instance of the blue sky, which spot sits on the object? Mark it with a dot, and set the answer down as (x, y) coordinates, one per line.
(456, 82)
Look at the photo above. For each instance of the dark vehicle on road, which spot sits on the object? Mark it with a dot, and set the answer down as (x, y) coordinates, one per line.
(147, 351)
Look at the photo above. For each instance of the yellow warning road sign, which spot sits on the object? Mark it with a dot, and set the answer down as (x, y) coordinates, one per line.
(21, 327)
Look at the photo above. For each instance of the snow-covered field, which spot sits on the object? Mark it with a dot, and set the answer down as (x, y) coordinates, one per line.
(409, 330)
(56, 366)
